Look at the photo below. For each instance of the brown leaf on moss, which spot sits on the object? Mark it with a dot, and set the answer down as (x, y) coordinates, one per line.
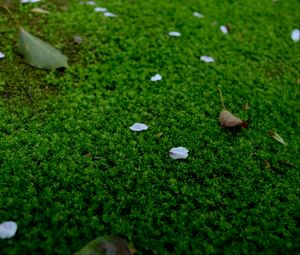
(227, 119)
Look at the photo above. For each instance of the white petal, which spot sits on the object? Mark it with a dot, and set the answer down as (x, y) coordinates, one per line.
(207, 59)
(224, 29)
(100, 9)
(2, 55)
(88, 3)
(198, 15)
(29, 1)
(138, 127)
(173, 33)
(295, 35)
(109, 14)
(179, 153)
(156, 77)
(8, 229)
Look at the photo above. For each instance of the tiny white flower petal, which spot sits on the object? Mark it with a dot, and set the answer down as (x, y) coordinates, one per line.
(109, 14)
(198, 15)
(224, 29)
(29, 1)
(100, 9)
(2, 55)
(8, 229)
(207, 59)
(138, 127)
(295, 35)
(173, 33)
(88, 3)
(156, 77)
(179, 153)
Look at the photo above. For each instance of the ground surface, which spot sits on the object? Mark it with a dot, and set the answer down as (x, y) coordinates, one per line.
(72, 170)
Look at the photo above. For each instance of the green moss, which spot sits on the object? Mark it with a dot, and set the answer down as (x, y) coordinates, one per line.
(71, 169)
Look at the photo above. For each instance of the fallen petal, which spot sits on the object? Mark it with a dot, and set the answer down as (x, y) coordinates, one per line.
(109, 14)
(77, 39)
(138, 127)
(179, 153)
(156, 77)
(2, 55)
(224, 29)
(207, 59)
(295, 35)
(100, 9)
(88, 3)
(176, 34)
(277, 137)
(29, 1)
(198, 15)
(8, 229)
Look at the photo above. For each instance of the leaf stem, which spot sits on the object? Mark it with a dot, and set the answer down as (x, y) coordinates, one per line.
(12, 15)
(221, 96)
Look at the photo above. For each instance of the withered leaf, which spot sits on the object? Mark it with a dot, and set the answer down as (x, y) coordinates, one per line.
(227, 119)
(277, 137)
(105, 245)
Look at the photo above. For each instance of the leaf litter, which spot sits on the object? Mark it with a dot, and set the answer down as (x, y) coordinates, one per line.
(39, 53)
(227, 119)
(277, 137)
(40, 10)
(111, 245)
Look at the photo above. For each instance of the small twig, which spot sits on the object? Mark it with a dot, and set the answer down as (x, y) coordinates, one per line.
(12, 15)
(221, 96)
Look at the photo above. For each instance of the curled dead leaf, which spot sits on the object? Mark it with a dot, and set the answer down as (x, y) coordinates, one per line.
(227, 119)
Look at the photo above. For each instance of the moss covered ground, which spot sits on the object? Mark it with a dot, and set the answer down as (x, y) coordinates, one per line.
(72, 170)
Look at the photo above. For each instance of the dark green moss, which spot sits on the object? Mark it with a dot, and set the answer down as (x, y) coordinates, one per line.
(71, 169)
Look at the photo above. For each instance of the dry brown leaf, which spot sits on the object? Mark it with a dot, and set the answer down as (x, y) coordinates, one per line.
(227, 119)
